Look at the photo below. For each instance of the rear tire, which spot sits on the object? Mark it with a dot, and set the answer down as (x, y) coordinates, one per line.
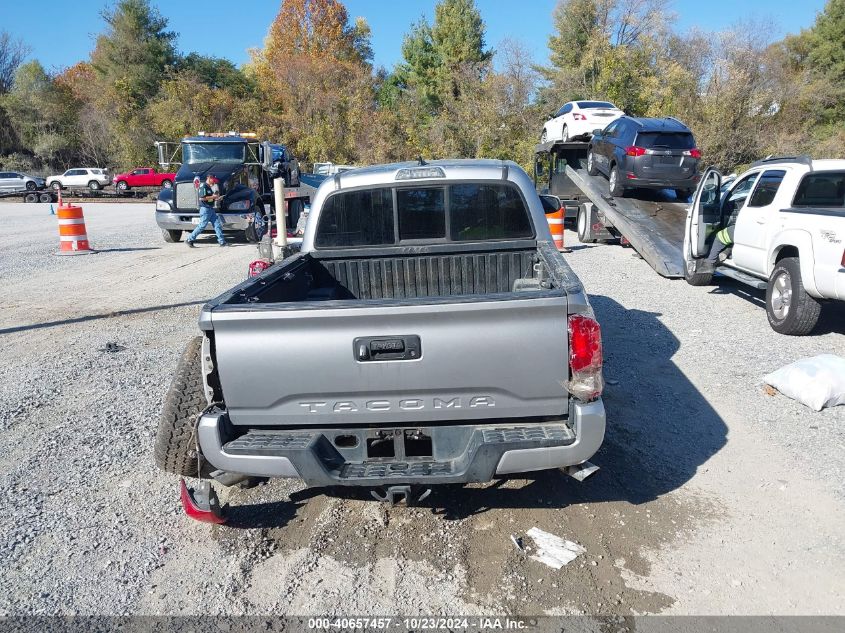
(694, 278)
(44, 197)
(171, 236)
(591, 164)
(166, 184)
(564, 134)
(615, 184)
(585, 228)
(176, 442)
(31, 197)
(789, 308)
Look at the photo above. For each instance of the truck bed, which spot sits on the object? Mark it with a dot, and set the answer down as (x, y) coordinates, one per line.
(369, 275)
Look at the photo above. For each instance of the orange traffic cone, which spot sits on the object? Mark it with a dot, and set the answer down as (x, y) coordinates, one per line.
(556, 227)
(73, 239)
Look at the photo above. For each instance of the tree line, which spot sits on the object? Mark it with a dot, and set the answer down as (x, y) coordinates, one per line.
(313, 86)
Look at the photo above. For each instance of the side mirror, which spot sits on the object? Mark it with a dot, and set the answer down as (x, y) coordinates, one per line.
(597, 131)
(551, 204)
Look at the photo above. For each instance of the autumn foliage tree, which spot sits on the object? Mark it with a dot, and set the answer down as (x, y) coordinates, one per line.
(315, 70)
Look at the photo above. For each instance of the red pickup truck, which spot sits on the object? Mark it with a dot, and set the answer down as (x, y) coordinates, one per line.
(143, 177)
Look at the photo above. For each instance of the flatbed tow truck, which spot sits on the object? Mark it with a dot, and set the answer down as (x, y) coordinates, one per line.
(653, 225)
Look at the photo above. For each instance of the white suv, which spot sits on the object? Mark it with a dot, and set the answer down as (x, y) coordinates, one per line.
(789, 236)
(579, 119)
(89, 177)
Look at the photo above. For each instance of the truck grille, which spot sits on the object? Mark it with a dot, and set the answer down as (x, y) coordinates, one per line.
(186, 196)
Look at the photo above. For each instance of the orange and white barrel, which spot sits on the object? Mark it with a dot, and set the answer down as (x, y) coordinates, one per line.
(556, 226)
(73, 238)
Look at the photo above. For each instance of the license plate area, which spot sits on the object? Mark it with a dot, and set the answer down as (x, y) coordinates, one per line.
(195, 221)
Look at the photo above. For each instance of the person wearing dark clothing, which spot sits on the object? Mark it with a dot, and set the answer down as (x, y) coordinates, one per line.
(208, 194)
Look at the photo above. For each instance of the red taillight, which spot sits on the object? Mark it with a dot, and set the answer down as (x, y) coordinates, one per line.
(207, 511)
(633, 150)
(842, 263)
(257, 267)
(579, 117)
(694, 152)
(585, 358)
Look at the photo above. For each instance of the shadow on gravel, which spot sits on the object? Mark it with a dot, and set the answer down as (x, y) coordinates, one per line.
(660, 431)
(831, 321)
(127, 250)
(94, 317)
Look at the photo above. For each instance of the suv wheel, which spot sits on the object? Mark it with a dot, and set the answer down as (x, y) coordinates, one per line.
(56, 185)
(585, 228)
(544, 136)
(789, 308)
(94, 185)
(616, 188)
(564, 134)
(122, 185)
(31, 186)
(591, 164)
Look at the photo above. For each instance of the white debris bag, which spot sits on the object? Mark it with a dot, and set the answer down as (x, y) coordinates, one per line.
(816, 382)
(553, 550)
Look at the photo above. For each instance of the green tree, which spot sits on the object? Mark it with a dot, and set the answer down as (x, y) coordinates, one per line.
(218, 73)
(43, 114)
(130, 60)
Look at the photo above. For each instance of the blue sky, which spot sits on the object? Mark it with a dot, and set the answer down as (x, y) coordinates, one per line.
(68, 36)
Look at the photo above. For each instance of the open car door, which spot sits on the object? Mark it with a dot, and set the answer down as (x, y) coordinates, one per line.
(703, 215)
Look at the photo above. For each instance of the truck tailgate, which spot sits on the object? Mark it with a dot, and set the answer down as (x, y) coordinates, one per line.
(477, 360)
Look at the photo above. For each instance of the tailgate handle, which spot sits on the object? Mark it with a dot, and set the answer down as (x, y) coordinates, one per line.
(382, 348)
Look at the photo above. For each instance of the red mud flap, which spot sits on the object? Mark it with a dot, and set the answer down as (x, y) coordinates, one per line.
(201, 503)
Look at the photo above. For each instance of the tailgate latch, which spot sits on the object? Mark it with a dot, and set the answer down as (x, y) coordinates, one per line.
(381, 348)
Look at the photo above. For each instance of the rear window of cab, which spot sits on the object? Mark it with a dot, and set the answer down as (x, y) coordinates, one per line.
(461, 212)
(821, 189)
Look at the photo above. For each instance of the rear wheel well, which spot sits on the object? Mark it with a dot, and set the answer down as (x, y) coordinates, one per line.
(786, 251)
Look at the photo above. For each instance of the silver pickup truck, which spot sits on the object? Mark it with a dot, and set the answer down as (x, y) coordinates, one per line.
(428, 332)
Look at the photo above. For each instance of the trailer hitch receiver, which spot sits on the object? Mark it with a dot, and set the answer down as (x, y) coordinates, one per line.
(395, 494)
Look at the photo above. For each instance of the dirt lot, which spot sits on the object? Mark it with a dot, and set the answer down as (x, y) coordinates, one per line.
(713, 497)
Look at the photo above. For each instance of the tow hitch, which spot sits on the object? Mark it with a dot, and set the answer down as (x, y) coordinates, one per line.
(395, 494)
(201, 503)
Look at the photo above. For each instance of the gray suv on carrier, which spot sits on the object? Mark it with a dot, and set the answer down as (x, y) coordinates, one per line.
(651, 153)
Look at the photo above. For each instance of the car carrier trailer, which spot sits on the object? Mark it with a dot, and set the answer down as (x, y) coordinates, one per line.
(653, 226)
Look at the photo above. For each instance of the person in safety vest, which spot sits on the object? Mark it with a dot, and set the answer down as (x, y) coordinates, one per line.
(208, 196)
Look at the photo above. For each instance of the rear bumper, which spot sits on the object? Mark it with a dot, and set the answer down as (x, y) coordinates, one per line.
(662, 183)
(183, 220)
(459, 454)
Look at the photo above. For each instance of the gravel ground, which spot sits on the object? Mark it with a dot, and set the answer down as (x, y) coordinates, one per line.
(713, 496)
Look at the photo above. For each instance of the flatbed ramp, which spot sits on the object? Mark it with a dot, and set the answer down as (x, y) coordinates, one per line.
(654, 227)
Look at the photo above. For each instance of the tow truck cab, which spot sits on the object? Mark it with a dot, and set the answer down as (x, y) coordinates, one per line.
(243, 166)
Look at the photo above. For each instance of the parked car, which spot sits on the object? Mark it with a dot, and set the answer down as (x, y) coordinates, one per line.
(16, 181)
(578, 119)
(93, 178)
(788, 237)
(650, 153)
(143, 177)
(395, 309)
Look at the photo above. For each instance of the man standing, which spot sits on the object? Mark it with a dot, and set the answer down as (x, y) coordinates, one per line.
(208, 195)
